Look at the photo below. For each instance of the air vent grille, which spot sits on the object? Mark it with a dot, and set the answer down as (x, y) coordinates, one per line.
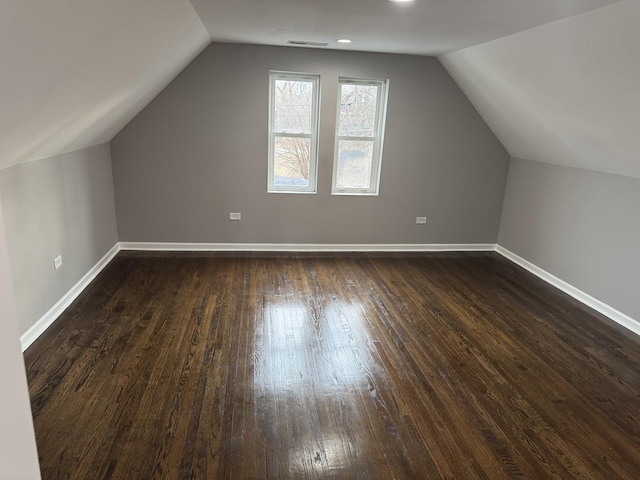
(307, 44)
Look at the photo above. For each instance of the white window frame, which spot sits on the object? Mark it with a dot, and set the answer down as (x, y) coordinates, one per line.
(313, 154)
(378, 138)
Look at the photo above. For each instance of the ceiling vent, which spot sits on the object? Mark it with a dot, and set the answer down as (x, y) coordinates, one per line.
(304, 43)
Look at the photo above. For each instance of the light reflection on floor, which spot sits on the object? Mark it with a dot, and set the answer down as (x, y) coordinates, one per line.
(314, 359)
(300, 352)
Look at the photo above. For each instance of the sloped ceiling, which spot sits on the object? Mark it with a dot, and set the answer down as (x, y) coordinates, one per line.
(74, 72)
(566, 93)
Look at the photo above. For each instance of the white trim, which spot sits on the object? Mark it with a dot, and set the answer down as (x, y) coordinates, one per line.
(377, 139)
(615, 315)
(308, 247)
(313, 135)
(54, 312)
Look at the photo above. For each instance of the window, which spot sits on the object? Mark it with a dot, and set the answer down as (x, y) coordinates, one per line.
(293, 132)
(359, 133)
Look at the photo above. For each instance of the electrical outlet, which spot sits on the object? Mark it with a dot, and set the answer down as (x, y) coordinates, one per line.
(421, 220)
(57, 262)
(234, 216)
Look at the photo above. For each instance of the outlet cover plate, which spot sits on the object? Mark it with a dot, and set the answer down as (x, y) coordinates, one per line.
(235, 216)
(421, 220)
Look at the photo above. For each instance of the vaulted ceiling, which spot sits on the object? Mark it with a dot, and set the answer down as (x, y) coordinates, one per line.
(557, 80)
(74, 72)
(566, 93)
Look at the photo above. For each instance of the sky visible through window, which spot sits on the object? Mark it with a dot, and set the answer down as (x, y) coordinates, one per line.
(358, 104)
(293, 103)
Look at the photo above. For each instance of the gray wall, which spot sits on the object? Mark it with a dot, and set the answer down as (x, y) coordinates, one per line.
(18, 454)
(579, 225)
(59, 205)
(199, 151)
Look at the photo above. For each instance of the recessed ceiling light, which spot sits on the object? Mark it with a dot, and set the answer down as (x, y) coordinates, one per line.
(344, 40)
(401, 1)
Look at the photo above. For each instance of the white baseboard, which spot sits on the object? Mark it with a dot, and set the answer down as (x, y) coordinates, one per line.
(54, 312)
(615, 315)
(306, 247)
(48, 318)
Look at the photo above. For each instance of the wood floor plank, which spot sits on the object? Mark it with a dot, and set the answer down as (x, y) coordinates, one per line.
(346, 366)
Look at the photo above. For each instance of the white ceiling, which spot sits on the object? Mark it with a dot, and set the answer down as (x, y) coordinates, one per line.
(566, 93)
(74, 72)
(423, 27)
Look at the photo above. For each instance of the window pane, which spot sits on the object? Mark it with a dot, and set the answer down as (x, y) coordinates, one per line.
(358, 110)
(293, 102)
(291, 161)
(354, 164)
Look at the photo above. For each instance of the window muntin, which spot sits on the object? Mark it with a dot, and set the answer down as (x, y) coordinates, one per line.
(359, 136)
(293, 132)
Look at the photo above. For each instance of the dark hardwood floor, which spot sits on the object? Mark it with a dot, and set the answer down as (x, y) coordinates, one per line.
(248, 366)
